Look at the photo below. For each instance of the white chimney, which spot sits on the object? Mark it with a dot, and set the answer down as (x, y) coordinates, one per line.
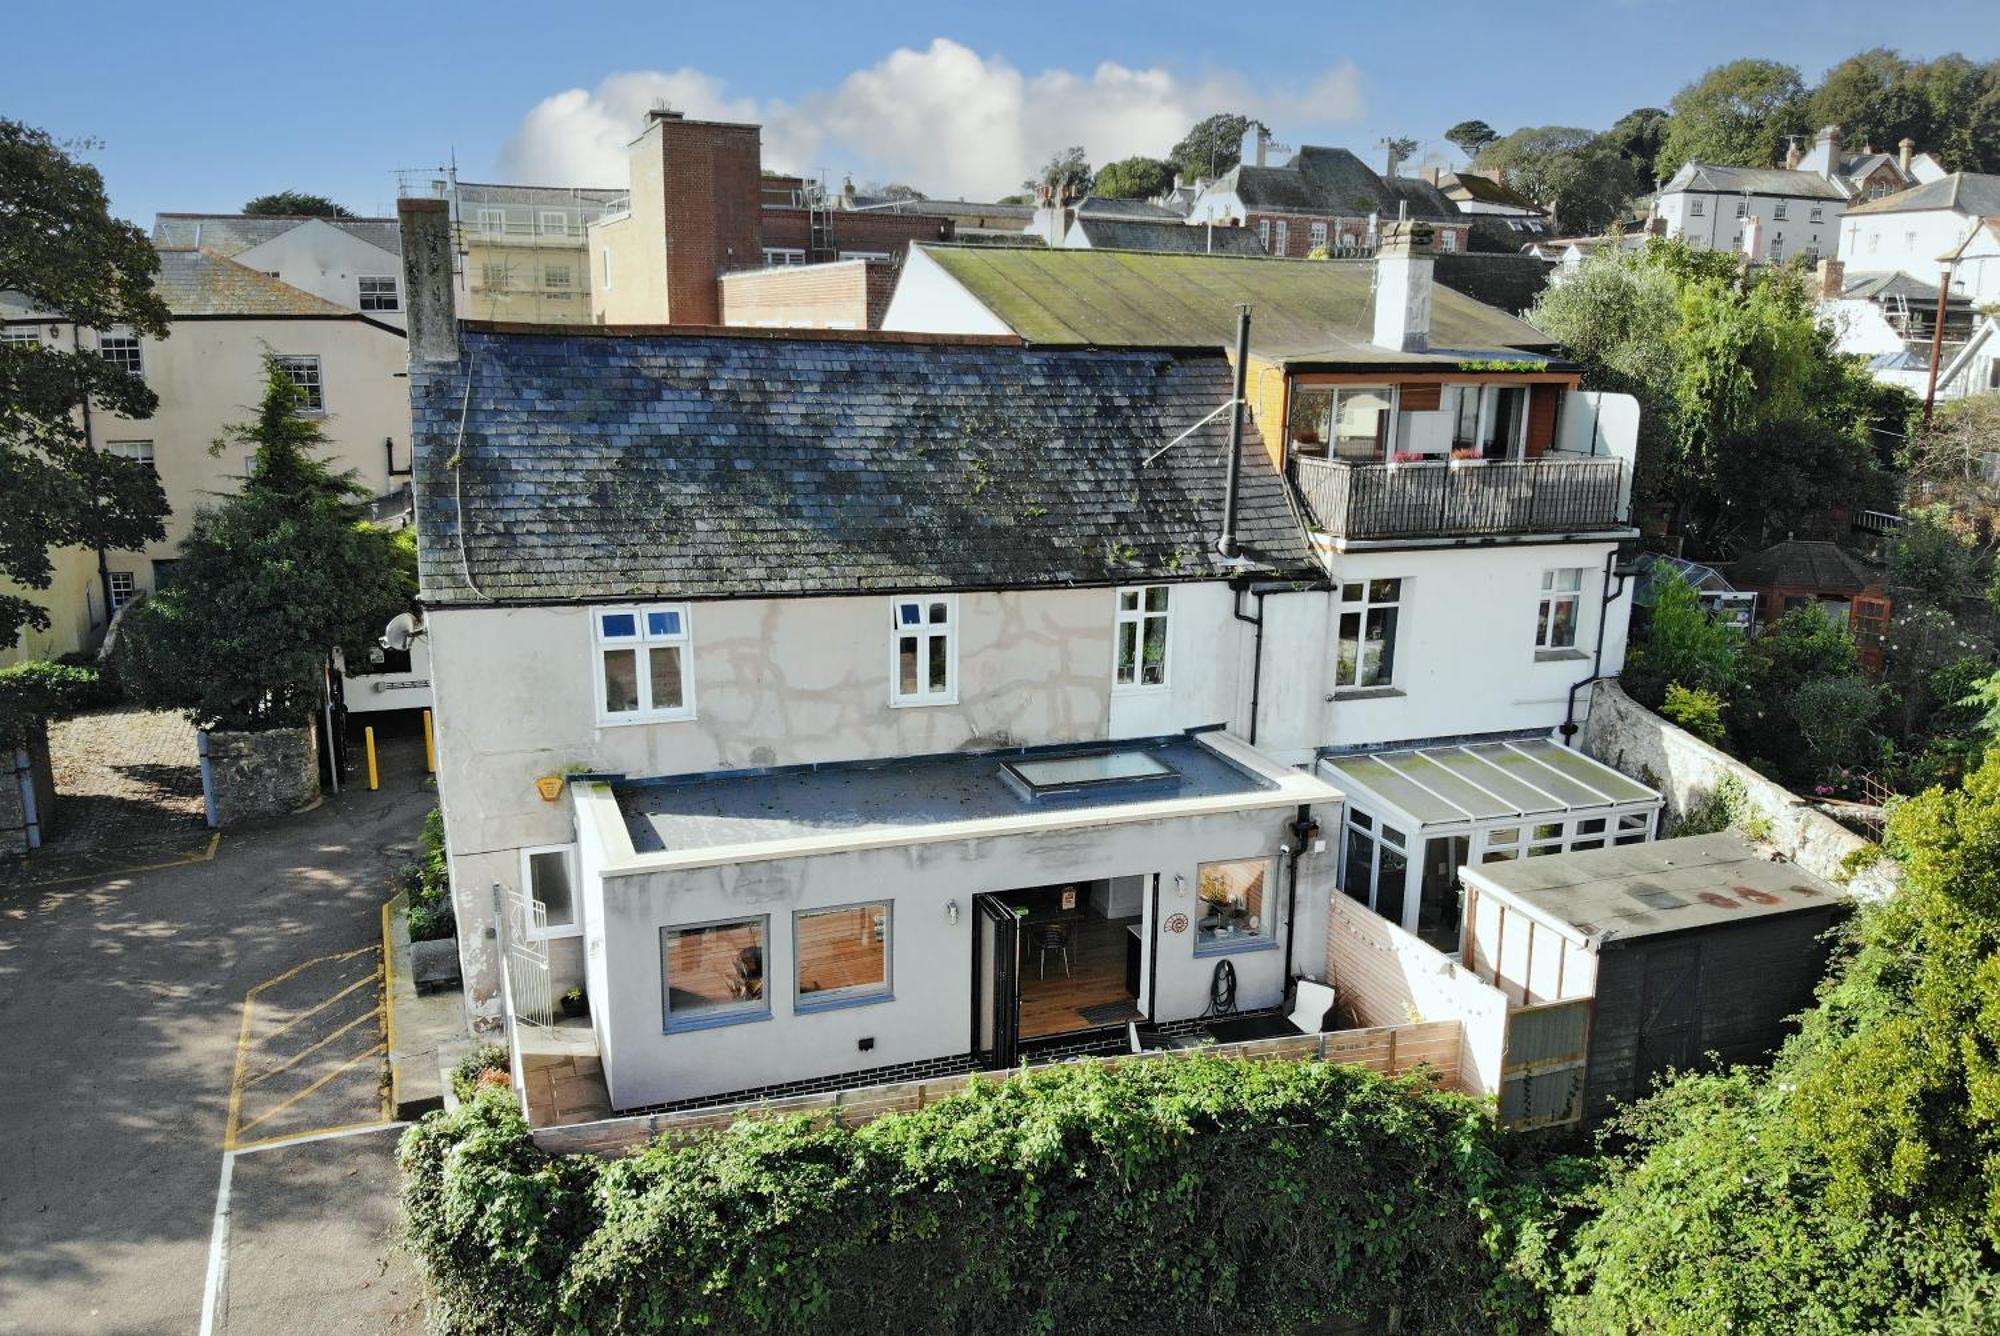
(1403, 278)
(1753, 238)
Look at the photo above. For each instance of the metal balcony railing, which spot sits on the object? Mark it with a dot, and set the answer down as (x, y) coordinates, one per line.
(1460, 499)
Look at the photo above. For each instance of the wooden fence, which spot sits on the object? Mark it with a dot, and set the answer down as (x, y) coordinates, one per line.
(1390, 1050)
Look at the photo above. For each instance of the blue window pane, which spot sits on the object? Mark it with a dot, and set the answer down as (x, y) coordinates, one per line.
(663, 623)
(910, 613)
(619, 624)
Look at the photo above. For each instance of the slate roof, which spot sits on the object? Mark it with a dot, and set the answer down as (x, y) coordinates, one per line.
(1471, 185)
(1507, 282)
(1303, 311)
(1968, 192)
(193, 282)
(1332, 181)
(696, 464)
(1878, 285)
(234, 233)
(1173, 237)
(1135, 210)
(1801, 563)
(1713, 178)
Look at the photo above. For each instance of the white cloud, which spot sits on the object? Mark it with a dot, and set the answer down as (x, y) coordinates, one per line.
(944, 119)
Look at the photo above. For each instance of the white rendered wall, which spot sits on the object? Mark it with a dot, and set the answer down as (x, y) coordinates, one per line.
(928, 300)
(1911, 243)
(1718, 228)
(328, 263)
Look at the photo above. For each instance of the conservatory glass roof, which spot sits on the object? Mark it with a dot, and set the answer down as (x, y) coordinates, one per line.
(1485, 781)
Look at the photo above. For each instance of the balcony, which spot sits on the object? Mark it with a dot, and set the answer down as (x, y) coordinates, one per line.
(1573, 494)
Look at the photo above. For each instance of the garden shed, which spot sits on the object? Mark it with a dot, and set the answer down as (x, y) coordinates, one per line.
(1662, 954)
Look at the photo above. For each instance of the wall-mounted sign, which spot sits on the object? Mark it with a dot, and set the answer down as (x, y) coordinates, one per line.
(1069, 897)
(550, 787)
(1177, 923)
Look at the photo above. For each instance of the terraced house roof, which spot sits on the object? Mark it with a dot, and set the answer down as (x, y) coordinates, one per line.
(1969, 192)
(599, 467)
(1302, 311)
(1715, 179)
(194, 282)
(1332, 181)
(234, 233)
(1174, 236)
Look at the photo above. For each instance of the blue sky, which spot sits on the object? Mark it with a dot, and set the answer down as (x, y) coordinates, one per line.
(201, 106)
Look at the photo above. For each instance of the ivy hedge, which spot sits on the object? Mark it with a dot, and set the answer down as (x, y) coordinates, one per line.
(39, 690)
(1198, 1196)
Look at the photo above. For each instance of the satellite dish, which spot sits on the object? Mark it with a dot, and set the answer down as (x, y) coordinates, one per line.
(401, 630)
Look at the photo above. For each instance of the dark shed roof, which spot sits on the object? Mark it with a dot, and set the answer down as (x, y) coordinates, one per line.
(1801, 563)
(1175, 237)
(706, 465)
(1332, 181)
(1510, 282)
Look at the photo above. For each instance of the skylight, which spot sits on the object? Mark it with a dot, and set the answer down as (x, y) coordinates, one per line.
(1051, 776)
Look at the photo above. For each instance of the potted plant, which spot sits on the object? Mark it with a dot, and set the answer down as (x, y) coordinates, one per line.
(1465, 455)
(574, 1003)
(1402, 457)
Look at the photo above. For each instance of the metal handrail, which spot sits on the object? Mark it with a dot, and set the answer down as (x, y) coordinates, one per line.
(1461, 498)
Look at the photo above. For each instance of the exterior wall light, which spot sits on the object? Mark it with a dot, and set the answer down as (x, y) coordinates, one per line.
(951, 910)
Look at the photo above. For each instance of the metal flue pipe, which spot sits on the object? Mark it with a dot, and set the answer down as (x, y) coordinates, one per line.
(1226, 544)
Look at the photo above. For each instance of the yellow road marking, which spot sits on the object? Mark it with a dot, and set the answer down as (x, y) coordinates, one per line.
(238, 1082)
(305, 1053)
(372, 976)
(388, 1007)
(214, 843)
(316, 1134)
(273, 1112)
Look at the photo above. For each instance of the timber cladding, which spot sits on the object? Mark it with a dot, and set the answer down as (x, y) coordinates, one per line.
(1390, 1050)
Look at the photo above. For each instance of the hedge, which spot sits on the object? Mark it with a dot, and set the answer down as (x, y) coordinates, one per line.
(428, 881)
(40, 689)
(1200, 1195)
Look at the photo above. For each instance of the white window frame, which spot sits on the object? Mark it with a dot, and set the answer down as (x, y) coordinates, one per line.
(496, 276)
(549, 273)
(1697, 207)
(131, 357)
(1264, 233)
(855, 995)
(605, 251)
(492, 222)
(882, 256)
(550, 931)
(1316, 234)
(139, 450)
(925, 632)
(561, 227)
(783, 257)
(1360, 608)
(1555, 593)
(1817, 215)
(1281, 238)
(1448, 240)
(313, 383)
(124, 588)
(1137, 616)
(21, 336)
(1779, 210)
(643, 640)
(362, 295)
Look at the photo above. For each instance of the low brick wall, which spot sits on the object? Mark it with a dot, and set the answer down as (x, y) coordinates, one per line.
(254, 775)
(1632, 739)
(27, 793)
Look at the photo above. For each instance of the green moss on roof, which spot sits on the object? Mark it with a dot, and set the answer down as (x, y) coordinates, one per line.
(1301, 310)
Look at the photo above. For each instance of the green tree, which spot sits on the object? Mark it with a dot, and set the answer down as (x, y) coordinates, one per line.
(1950, 106)
(268, 582)
(1736, 114)
(1471, 137)
(896, 190)
(70, 261)
(1637, 137)
(1066, 175)
(1575, 174)
(295, 204)
(1212, 147)
(1134, 178)
(1930, 563)
(1683, 646)
(1855, 1186)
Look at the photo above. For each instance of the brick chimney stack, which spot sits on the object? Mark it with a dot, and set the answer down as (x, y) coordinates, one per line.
(1832, 279)
(697, 190)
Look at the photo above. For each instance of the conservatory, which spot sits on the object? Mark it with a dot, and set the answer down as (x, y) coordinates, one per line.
(1416, 815)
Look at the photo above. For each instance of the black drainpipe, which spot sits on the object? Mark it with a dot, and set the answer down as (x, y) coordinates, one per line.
(1303, 829)
(1569, 724)
(1226, 544)
(103, 565)
(1256, 654)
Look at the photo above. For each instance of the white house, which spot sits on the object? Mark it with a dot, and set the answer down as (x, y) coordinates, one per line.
(839, 707)
(209, 374)
(1769, 213)
(1950, 223)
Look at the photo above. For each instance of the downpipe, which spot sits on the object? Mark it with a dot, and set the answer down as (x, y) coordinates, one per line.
(1303, 830)
(1609, 597)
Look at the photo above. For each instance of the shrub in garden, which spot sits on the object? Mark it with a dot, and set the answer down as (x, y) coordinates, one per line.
(1696, 710)
(428, 881)
(1200, 1195)
(474, 1066)
(39, 690)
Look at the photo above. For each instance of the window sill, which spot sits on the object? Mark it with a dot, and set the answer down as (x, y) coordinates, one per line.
(627, 720)
(1559, 655)
(920, 704)
(1161, 689)
(691, 1024)
(1367, 693)
(558, 932)
(1236, 948)
(805, 1008)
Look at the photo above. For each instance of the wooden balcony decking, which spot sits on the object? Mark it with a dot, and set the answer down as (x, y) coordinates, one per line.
(1575, 494)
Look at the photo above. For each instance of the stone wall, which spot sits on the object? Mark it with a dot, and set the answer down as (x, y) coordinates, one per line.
(1625, 735)
(254, 775)
(26, 778)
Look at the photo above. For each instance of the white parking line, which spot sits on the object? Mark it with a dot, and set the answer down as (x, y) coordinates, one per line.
(213, 1307)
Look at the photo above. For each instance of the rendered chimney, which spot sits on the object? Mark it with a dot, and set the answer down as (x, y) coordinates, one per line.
(1404, 276)
(1832, 279)
(1905, 149)
(1792, 153)
(427, 279)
